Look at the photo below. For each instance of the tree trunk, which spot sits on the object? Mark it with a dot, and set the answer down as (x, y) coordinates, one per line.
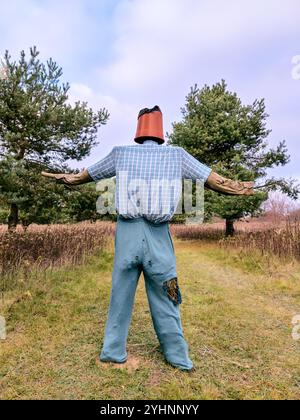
(13, 218)
(229, 227)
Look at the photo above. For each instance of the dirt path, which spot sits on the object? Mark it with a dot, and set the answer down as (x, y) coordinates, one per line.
(236, 315)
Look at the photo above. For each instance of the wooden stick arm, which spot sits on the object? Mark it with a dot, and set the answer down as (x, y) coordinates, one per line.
(70, 179)
(226, 186)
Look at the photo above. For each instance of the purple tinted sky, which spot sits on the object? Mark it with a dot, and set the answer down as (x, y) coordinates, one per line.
(129, 54)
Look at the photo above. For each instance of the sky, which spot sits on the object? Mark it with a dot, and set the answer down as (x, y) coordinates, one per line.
(130, 54)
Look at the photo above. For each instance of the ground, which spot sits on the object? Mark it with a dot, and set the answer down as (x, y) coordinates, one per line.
(237, 316)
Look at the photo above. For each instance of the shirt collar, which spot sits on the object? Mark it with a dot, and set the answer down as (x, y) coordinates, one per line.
(150, 142)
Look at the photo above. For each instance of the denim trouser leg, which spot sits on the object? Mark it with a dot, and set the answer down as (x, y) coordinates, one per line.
(119, 316)
(142, 246)
(167, 325)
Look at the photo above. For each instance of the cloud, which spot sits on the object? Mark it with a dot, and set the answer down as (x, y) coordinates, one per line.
(66, 30)
(128, 54)
(121, 127)
(155, 41)
(161, 48)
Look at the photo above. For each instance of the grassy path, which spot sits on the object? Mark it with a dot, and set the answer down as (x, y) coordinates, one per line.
(236, 315)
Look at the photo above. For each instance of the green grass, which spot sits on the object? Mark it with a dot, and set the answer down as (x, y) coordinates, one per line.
(236, 313)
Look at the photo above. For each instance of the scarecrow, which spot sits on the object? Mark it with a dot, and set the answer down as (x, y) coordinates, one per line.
(148, 176)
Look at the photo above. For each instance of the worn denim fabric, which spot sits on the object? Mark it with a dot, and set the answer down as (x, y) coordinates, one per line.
(142, 246)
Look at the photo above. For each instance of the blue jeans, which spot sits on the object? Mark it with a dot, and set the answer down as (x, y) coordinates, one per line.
(141, 246)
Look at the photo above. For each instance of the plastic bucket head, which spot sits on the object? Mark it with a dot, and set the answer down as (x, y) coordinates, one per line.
(150, 125)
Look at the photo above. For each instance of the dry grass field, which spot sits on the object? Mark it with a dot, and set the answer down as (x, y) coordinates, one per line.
(237, 315)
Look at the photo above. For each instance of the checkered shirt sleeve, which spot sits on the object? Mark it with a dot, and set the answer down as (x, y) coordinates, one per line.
(105, 168)
(193, 169)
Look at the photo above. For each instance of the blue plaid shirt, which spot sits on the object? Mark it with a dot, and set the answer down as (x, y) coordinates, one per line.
(149, 178)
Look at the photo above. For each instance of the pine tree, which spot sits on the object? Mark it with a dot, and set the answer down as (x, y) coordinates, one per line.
(230, 137)
(39, 129)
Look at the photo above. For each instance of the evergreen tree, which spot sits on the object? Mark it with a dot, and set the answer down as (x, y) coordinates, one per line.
(39, 130)
(230, 137)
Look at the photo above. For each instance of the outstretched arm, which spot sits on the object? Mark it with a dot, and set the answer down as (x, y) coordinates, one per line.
(193, 169)
(70, 179)
(105, 168)
(226, 186)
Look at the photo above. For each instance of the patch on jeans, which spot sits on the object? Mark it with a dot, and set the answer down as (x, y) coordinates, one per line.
(173, 292)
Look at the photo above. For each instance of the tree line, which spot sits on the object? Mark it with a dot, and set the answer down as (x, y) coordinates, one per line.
(41, 130)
